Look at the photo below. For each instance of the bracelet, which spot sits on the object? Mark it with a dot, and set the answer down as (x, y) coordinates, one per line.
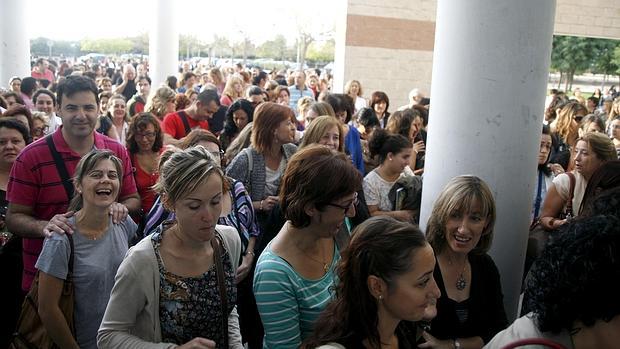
(260, 208)
(251, 253)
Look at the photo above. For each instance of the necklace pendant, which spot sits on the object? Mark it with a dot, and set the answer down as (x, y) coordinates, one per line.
(325, 268)
(461, 283)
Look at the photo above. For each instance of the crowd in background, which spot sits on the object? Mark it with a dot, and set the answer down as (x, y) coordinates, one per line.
(236, 206)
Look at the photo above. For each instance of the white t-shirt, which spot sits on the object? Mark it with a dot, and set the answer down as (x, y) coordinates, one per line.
(376, 191)
(562, 185)
(272, 178)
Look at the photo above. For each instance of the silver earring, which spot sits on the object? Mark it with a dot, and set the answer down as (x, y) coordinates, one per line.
(380, 297)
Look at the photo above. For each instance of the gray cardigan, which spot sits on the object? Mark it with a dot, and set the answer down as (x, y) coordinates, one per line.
(131, 319)
(239, 169)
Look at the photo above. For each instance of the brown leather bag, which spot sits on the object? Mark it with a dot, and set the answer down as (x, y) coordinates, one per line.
(31, 333)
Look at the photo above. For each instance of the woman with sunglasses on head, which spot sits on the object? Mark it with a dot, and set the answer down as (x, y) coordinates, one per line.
(296, 270)
(566, 130)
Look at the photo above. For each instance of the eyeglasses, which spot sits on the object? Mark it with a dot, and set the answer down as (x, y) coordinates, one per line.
(148, 135)
(346, 208)
(40, 130)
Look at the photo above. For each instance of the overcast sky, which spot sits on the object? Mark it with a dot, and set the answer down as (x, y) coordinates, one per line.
(260, 19)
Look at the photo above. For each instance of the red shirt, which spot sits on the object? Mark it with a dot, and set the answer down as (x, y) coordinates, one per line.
(173, 125)
(48, 75)
(35, 182)
(145, 181)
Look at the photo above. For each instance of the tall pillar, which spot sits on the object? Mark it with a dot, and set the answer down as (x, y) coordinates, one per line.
(163, 42)
(15, 45)
(490, 68)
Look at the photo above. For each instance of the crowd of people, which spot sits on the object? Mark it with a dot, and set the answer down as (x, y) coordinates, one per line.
(236, 207)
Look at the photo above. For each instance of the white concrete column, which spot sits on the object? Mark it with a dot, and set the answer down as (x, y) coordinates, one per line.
(490, 68)
(15, 42)
(163, 42)
(341, 7)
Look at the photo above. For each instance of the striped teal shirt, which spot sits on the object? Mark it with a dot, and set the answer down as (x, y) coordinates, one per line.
(287, 302)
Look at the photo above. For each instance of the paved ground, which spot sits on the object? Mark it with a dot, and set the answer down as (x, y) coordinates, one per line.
(586, 82)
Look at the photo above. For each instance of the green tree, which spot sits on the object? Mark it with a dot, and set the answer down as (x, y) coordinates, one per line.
(571, 55)
(604, 57)
(106, 46)
(221, 46)
(274, 49)
(321, 52)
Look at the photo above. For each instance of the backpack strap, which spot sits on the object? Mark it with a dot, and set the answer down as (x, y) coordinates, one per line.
(60, 167)
(185, 120)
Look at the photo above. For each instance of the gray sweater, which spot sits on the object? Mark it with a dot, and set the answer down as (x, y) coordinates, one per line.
(131, 318)
(239, 169)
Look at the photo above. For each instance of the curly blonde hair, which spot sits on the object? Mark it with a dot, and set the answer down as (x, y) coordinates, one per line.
(157, 101)
(566, 127)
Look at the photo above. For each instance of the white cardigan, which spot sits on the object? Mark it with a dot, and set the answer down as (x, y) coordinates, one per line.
(131, 319)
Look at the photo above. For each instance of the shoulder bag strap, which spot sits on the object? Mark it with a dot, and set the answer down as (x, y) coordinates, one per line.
(538, 201)
(248, 152)
(185, 121)
(221, 283)
(60, 166)
(571, 194)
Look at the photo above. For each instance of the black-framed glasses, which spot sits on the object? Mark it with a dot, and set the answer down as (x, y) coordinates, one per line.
(348, 207)
(147, 135)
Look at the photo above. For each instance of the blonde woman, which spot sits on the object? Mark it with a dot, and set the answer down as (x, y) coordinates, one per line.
(470, 310)
(176, 287)
(161, 102)
(232, 91)
(566, 128)
(354, 89)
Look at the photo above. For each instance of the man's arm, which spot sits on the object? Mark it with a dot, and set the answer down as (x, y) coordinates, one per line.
(20, 221)
(132, 202)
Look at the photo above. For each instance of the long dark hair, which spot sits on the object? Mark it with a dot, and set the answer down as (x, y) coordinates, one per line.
(545, 167)
(381, 246)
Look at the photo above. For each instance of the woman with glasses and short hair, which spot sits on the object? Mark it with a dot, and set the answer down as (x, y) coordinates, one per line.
(145, 143)
(296, 271)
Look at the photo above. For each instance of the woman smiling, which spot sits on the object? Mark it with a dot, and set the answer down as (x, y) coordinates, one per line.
(99, 247)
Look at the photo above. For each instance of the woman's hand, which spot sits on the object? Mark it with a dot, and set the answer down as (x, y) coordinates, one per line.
(244, 268)
(59, 224)
(556, 169)
(118, 212)
(268, 203)
(198, 343)
(419, 146)
(434, 343)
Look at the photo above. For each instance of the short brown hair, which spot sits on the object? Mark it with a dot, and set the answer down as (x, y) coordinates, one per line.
(315, 175)
(267, 117)
(601, 145)
(317, 129)
(457, 197)
(196, 136)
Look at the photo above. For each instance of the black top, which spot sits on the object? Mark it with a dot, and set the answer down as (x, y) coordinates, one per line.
(406, 332)
(485, 306)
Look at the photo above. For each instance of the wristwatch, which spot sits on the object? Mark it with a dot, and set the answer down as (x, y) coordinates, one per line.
(457, 344)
